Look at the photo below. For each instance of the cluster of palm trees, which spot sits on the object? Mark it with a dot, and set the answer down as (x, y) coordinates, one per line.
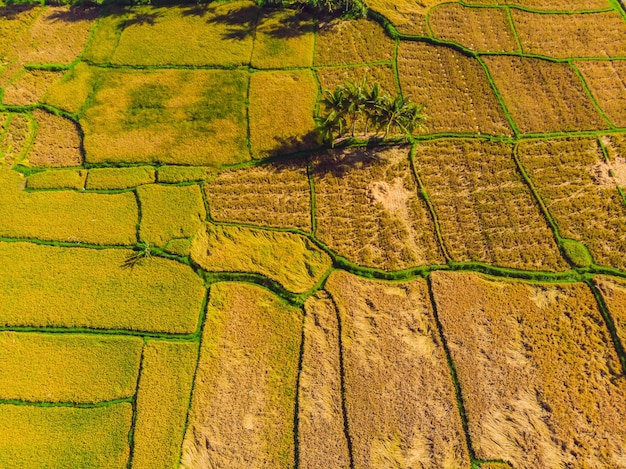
(361, 104)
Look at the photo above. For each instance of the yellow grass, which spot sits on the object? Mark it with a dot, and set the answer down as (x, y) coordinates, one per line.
(169, 212)
(408, 16)
(68, 367)
(14, 141)
(71, 92)
(29, 87)
(571, 35)
(213, 34)
(352, 42)
(482, 29)
(57, 36)
(323, 442)
(400, 398)
(176, 174)
(189, 117)
(65, 216)
(607, 82)
(331, 77)
(452, 87)
(486, 212)
(119, 178)
(57, 141)
(91, 288)
(614, 294)
(242, 411)
(59, 179)
(65, 437)
(283, 38)
(276, 125)
(167, 374)
(275, 194)
(543, 96)
(583, 205)
(368, 209)
(289, 259)
(541, 382)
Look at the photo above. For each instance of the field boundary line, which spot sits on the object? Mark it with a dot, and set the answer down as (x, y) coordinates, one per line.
(423, 194)
(590, 94)
(610, 324)
(453, 374)
(296, 407)
(499, 97)
(396, 74)
(131, 432)
(77, 405)
(514, 30)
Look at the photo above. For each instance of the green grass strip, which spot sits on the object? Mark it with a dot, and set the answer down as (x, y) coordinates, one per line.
(80, 405)
(396, 74)
(514, 30)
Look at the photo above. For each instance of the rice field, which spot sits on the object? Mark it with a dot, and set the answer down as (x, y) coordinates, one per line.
(191, 278)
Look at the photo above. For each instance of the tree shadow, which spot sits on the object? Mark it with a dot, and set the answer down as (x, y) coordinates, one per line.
(339, 162)
(241, 23)
(11, 10)
(141, 19)
(296, 24)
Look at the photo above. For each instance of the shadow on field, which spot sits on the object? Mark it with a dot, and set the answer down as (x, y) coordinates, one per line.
(10, 11)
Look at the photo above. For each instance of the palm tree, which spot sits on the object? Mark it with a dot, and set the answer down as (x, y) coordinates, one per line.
(399, 112)
(336, 106)
(372, 101)
(356, 98)
(330, 125)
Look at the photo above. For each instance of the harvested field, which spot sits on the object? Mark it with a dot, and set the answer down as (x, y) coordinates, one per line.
(72, 91)
(543, 96)
(16, 137)
(242, 411)
(368, 209)
(178, 174)
(408, 16)
(276, 125)
(163, 397)
(119, 178)
(481, 29)
(283, 38)
(400, 400)
(212, 34)
(65, 216)
(614, 293)
(562, 5)
(583, 205)
(486, 211)
(352, 42)
(607, 82)
(64, 437)
(29, 87)
(331, 77)
(59, 179)
(289, 259)
(57, 36)
(188, 117)
(91, 288)
(616, 165)
(571, 35)
(275, 194)
(452, 87)
(541, 382)
(321, 429)
(68, 367)
(169, 212)
(57, 142)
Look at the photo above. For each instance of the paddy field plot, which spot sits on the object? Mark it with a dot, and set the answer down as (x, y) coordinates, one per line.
(321, 425)
(540, 378)
(58, 179)
(607, 82)
(243, 405)
(368, 209)
(71, 92)
(15, 20)
(453, 88)
(480, 29)
(400, 400)
(575, 35)
(189, 117)
(163, 398)
(287, 258)
(586, 206)
(70, 368)
(57, 141)
(352, 42)
(408, 16)
(119, 178)
(16, 137)
(91, 288)
(29, 87)
(613, 292)
(34, 437)
(559, 5)
(274, 194)
(543, 96)
(486, 212)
